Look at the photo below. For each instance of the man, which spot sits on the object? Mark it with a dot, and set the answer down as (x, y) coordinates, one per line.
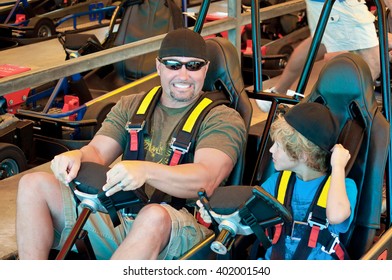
(350, 27)
(46, 210)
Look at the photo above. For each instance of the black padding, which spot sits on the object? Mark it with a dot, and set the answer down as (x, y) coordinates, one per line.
(353, 100)
(268, 208)
(346, 86)
(78, 40)
(91, 177)
(263, 206)
(227, 200)
(224, 74)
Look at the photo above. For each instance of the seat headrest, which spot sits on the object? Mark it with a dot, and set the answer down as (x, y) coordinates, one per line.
(343, 80)
(224, 72)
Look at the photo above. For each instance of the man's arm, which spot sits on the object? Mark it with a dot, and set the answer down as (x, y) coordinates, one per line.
(209, 169)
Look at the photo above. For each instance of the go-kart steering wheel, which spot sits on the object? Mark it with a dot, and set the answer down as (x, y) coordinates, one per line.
(87, 186)
(242, 210)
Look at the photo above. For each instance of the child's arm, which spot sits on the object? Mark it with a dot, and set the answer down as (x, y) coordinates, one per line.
(338, 205)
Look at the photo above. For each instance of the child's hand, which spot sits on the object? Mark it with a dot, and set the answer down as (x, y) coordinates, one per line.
(340, 156)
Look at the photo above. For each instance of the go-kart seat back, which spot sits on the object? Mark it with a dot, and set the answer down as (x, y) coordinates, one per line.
(139, 20)
(224, 73)
(345, 86)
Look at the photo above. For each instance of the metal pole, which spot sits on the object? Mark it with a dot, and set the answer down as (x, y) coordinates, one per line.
(386, 95)
(184, 10)
(314, 47)
(74, 233)
(256, 45)
(202, 16)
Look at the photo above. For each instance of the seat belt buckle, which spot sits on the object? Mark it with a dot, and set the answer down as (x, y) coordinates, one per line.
(134, 127)
(133, 130)
(297, 230)
(332, 245)
(311, 222)
(178, 147)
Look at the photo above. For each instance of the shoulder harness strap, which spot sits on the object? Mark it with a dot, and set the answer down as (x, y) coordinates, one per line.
(183, 137)
(283, 193)
(136, 126)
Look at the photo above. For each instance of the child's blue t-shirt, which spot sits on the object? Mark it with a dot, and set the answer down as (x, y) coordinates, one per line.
(303, 195)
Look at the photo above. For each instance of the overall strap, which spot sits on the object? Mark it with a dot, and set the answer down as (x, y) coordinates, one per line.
(316, 219)
(284, 193)
(317, 230)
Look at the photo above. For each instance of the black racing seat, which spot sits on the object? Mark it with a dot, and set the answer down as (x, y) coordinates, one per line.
(345, 86)
(139, 20)
(225, 74)
(354, 88)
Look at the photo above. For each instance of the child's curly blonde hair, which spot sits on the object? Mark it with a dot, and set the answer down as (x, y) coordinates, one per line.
(296, 145)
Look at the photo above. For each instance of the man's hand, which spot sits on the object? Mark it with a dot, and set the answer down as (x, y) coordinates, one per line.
(66, 166)
(126, 176)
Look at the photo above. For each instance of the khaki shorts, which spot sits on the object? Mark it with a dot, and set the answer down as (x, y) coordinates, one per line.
(350, 25)
(105, 239)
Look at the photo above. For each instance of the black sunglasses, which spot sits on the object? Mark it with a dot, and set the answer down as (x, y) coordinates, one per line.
(172, 64)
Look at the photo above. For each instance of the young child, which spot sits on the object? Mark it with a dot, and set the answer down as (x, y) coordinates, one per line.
(305, 143)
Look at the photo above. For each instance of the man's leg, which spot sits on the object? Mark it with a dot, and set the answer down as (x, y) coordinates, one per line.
(39, 210)
(296, 64)
(149, 235)
(372, 57)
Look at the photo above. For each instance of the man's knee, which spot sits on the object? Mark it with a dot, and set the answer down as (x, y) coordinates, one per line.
(27, 183)
(154, 224)
(36, 184)
(155, 215)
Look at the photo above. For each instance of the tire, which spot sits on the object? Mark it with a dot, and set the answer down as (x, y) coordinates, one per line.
(12, 160)
(44, 28)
